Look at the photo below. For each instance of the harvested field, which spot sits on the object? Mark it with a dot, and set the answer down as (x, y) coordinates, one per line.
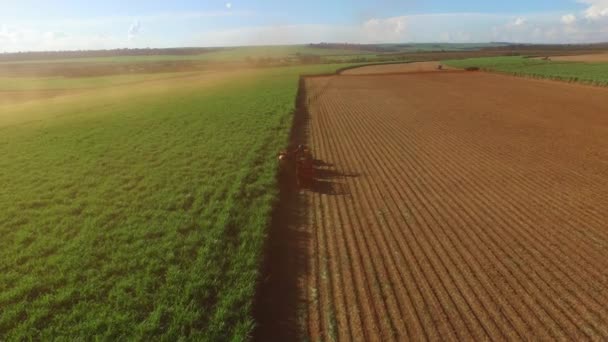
(395, 68)
(450, 206)
(596, 57)
(11, 97)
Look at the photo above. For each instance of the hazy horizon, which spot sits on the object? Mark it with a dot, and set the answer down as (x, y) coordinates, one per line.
(69, 25)
(490, 43)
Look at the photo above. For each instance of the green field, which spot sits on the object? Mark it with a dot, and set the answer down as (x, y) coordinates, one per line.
(430, 47)
(141, 212)
(234, 54)
(116, 59)
(57, 83)
(241, 53)
(590, 73)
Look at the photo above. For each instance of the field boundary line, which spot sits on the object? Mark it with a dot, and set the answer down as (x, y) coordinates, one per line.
(275, 322)
(536, 77)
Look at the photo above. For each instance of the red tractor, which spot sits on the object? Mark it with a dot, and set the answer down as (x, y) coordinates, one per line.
(298, 164)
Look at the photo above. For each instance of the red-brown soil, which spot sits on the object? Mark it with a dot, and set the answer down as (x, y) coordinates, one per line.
(397, 68)
(449, 206)
(591, 58)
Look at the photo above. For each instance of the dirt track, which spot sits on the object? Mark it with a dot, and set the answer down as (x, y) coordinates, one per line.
(451, 206)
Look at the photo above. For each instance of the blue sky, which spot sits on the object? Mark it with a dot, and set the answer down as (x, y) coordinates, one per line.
(52, 25)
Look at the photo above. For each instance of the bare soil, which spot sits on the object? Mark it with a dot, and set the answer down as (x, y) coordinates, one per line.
(397, 68)
(451, 206)
(590, 58)
(11, 97)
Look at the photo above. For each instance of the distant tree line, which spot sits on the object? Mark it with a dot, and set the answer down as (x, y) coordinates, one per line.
(551, 47)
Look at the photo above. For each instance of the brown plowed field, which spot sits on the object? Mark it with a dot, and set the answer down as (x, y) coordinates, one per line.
(396, 68)
(596, 57)
(452, 206)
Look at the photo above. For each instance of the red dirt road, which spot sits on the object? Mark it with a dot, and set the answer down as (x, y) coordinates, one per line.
(452, 206)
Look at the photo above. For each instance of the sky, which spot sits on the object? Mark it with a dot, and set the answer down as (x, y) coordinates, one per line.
(28, 25)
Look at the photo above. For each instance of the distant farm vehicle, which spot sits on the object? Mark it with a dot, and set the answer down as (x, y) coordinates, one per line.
(299, 165)
(547, 58)
(440, 67)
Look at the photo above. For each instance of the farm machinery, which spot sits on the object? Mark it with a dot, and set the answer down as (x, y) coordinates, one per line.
(298, 164)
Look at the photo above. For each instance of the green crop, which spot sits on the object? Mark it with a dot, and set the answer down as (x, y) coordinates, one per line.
(141, 213)
(231, 54)
(590, 73)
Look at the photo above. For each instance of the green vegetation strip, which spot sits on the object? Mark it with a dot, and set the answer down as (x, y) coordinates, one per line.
(589, 73)
(143, 217)
(233, 54)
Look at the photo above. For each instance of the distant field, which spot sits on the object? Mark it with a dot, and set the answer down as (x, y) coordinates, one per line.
(140, 212)
(596, 57)
(429, 47)
(591, 73)
(328, 52)
(242, 53)
(222, 55)
(55, 83)
(239, 54)
(115, 59)
(396, 68)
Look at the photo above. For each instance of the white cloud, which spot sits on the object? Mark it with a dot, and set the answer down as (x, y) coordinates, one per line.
(378, 30)
(52, 35)
(569, 19)
(134, 29)
(8, 34)
(276, 35)
(551, 29)
(519, 21)
(13, 39)
(169, 29)
(597, 9)
(382, 30)
(166, 29)
(447, 27)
